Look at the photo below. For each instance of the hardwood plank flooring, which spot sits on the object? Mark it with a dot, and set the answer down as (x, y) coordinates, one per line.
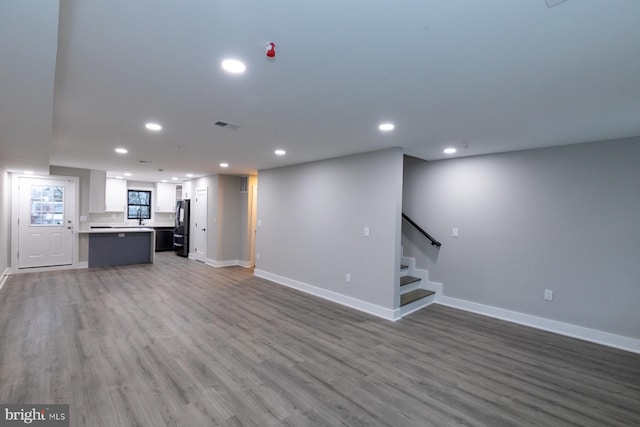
(179, 343)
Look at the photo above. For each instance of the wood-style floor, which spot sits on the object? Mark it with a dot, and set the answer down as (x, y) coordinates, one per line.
(180, 343)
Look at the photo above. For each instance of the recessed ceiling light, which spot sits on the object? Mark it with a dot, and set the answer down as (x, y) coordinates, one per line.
(224, 165)
(189, 175)
(119, 177)
(233, 66)
(28, 172)
(449, 150)
(122, 150)
(164, 180)
(280, 152)
(386, 127)
(175, 178)
(153, 126)
(127, 174)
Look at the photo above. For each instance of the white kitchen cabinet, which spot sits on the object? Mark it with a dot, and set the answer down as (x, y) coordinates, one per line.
(115, 195)
(97, 182)
(165, 197)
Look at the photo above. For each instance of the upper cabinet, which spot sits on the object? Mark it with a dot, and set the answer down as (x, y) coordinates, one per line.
(116, 195)
(97, 182)
(165, 197)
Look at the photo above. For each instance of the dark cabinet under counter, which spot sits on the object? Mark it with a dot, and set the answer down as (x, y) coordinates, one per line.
(120, 246)
(164, 239)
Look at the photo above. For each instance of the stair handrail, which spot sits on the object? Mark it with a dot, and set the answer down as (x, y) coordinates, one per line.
(434, 242)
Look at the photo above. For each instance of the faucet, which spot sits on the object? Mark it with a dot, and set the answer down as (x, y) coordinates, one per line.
(140, 222)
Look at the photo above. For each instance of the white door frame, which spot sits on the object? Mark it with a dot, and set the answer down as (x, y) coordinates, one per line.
(15, 214)
(253, 209)
(200, 255)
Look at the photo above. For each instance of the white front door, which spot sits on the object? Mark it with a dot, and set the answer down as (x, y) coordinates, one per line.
(45, 228)
(200, 225)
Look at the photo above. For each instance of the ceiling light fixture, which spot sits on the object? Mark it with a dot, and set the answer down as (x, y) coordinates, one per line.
(28, 172)
(119, 177)
(164, 180)
(189, 175)
(280, 152)
(153, 126)
(224, 165)
(233, 66)
(175, 178)
(386, 127)
(127, 174)
(450, 150)
(122, 150)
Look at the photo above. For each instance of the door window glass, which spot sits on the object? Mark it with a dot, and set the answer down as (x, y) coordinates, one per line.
(47, 205)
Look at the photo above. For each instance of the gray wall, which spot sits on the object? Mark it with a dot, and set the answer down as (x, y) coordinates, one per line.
(313, 216)
(232, 212)
(5, 221)
(563, 218)
(84, 176)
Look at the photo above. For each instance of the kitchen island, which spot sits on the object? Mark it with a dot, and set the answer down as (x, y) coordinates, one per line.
(120, 246)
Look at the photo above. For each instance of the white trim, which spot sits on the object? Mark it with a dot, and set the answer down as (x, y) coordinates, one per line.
(4, 277)
(227, 263)
(367, 307)
(423, 275)
(77, 266)
(15, 201)
(417, 305)
(567, 329)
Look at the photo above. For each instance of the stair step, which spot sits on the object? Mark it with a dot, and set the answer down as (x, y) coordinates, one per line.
(406, 280)
(403, 267)
(414, 295)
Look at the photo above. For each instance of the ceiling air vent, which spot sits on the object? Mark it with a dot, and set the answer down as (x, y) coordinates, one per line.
(226, 125)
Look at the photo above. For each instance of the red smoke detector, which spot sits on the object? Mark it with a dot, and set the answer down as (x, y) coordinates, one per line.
(271, 50)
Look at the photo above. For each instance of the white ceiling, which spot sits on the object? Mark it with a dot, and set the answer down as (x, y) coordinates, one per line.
(500, 74)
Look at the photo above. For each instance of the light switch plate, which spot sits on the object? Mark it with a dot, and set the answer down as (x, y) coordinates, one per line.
(366, 232)
(455, 232)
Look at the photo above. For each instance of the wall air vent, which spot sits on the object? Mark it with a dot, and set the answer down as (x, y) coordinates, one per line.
(226, 125)
(244, 184)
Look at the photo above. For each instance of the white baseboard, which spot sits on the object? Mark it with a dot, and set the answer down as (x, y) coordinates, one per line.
(227, 263)
(375, 310)
(4, 277)
(567, 329)
(77, 266)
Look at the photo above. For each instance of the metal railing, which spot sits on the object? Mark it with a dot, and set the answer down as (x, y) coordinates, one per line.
(434, 242)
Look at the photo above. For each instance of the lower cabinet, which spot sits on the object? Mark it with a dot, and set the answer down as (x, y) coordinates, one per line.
(119, 248)
(164, 239)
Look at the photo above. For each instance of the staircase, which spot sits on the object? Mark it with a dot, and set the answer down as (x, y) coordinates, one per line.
(416, 291)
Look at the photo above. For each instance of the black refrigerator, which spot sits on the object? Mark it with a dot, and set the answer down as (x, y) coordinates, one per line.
(181, 230)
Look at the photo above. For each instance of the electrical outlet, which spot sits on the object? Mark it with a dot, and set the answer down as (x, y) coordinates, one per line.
(348, 278)
(548, 294)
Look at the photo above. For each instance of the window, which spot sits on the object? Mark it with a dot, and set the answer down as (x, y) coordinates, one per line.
(139, 204)
(47, 205)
